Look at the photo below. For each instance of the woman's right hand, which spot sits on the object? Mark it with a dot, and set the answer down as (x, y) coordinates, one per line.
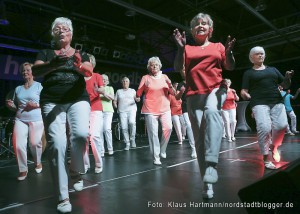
(59, 60)
(179, 38)
(11, 105)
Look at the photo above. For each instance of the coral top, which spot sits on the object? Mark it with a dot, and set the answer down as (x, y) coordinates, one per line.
(156, 94)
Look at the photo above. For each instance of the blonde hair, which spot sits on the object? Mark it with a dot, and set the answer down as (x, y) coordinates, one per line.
(23, 65)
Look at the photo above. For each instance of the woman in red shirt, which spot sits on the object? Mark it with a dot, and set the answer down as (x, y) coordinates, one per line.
(201, 66)
(229, 111)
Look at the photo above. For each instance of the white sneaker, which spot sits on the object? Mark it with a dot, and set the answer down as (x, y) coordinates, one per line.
(98, 170)
(229, 140)
(233, 139)
(85, 171)
(156, 162)
(64, 207)
(110, 152)
(194, 153)
(163, 155)
(180, 142)
(78, 186)
(270, 165)
(127, 147)
(208, 191)
(211, 175)
(133, 144)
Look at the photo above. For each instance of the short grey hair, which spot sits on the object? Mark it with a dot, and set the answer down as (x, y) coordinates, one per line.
(125, 78)
(255, 50)
(104, 75)
(62, 20)
(92, 60)
(228, 81)
(202, 16)
(154, 59)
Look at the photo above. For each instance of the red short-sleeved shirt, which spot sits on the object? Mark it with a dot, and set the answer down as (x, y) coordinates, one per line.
(230, 101)
(96, 104)
(203, 67)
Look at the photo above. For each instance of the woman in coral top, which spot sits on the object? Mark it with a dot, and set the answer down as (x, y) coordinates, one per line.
(229, 111)
(201, 66)
(156, 107)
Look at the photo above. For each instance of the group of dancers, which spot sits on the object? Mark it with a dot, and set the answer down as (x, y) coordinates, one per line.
(67, 105)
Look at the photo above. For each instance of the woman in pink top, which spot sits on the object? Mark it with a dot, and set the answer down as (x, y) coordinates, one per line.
(201, 66)
(156, 107)
(229, 111)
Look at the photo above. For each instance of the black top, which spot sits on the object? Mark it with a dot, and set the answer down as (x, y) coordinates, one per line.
(65, 84)
(183, 98)
(262, 86)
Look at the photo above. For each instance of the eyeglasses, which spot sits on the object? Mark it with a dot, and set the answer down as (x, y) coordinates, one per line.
(63, 30)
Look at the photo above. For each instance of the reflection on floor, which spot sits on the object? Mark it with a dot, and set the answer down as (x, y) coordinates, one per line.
(130, 183)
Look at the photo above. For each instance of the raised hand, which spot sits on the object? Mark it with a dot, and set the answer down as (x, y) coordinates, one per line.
(179, 38)
(182, 89)
(229, 44)
(77, 61)
(289, 74)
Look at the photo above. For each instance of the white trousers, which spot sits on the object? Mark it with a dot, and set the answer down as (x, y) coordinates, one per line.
(95, 139)
(24, 131)
(107, 120)
(271, 123)
(293, 117)
(183, 125)
(177, 126)
(128, 125)
(205, 115)
(188, 127)
(229, 119)
(157, 147)
(55, 117)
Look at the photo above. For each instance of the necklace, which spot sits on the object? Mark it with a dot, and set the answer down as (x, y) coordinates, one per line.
(28, 84)
(65, 51)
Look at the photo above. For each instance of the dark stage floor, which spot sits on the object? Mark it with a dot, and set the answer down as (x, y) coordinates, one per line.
(131, 184)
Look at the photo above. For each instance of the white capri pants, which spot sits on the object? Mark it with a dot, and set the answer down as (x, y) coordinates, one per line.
(271, 123)
(22, 131)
